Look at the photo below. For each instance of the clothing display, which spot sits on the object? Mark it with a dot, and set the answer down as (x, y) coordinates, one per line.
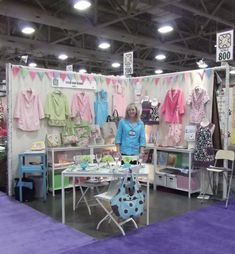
(154, 114)
(28, 110)
(174, 135)
(129, 134)
(119, 102)
(173, 106)
(80, 108)
(57, 108)
(146, 109)
(204, 153)
(101, 107)
(197, 101)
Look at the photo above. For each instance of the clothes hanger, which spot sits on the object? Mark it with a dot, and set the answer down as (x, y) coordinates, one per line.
(58, 91)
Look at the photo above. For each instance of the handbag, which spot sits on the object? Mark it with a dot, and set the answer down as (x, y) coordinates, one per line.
(109, 130)
(129, 201)
(53, 140)
(114, 117)
(38, 146)
(68, 134)
(83, 132)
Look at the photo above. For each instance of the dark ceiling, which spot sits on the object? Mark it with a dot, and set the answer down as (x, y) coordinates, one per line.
(129, 26)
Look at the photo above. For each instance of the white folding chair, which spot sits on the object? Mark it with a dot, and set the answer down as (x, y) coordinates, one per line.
(226, 171)
(106, 198)
(90, 184)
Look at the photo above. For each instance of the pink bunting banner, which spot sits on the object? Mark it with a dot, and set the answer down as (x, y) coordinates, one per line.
(136, 81)
(63, 76)
(108, 80)
(187, 77)
(168, 80)
(90, 78)
(50, 74)
(83, 77)
(201, 74)
(156, 80)
(15, 70)
(33, 74)
(114, 81)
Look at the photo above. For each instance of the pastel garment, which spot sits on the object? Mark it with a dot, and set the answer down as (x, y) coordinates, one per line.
(154, 114)
(174, 136)
(197, 101)
(173, 106)
(204, 153)
(119, 103)
(101, 107)
(28, 111)
(81, 108)
(130, 137)
(146, 111)
(57, 108)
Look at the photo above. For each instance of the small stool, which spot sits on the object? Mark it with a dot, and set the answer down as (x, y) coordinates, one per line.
(26, 168)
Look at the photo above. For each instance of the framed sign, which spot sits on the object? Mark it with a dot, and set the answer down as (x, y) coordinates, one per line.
(128, 63)
(190, 132)
(224, 46)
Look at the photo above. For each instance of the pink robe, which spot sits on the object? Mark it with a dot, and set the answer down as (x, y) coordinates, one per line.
(173, 106)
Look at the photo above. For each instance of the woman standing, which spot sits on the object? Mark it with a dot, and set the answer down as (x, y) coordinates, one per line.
(130, 137)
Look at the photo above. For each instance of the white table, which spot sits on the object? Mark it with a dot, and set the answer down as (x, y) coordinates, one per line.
(101, 172)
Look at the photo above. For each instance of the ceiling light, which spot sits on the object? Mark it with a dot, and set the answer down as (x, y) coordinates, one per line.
(28, 30)
(159, 71)
(104, 45)
(232, 72)
(116, 65)
(160, 57)
(62, 57)
(165, 29)
(82, 71)
(82, 5)
(32, 65)
(202, 64)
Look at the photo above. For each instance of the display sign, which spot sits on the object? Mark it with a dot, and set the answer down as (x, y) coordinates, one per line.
(73, 83)
(69, 67)
(128, 63)
(190, 132)
(224, 46)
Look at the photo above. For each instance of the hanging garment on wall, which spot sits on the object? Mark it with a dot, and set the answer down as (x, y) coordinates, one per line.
(81, 108)
(197, 101)
(174, 136)
(101, 107)
(173, 106)
(146, 109)
(119, 101)
(204, 153)
(57, 108)
(154, 114)
(28, 110)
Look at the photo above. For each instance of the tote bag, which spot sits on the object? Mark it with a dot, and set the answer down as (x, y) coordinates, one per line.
(129, 201)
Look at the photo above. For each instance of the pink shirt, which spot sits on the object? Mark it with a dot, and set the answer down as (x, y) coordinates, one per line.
(28, 111)
(119, 103)
(173, 106)
(197, 100)
(81, 107)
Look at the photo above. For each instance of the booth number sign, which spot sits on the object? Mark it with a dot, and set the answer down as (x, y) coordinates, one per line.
(128, 63)
(224, 48)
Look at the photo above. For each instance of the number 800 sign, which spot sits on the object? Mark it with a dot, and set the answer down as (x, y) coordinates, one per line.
(224, 46)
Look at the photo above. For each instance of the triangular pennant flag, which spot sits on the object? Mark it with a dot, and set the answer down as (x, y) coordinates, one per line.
(108, 80)
(156, 80)
(175, 78)
(77, 77)
(56, 74)
(97, 79)
(201, 74)
(187, 77)
(208, 73)
(83, 77)
(168, 80)
(70, 76)
(150, 80)
(33, 74)
(114, 81)
(136, 81)
(49, 74)
(90, 78)
(24, 72)
(63, 76)
(15, 70)
(41, 74)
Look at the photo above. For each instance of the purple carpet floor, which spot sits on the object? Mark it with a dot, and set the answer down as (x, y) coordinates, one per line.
(208, 230)
(25, 230)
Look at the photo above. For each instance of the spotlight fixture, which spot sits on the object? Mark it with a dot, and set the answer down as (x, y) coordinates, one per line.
(32, 64)
(160, 57)
(201, 64)
(232, 72)
(165, 29)
(27, 30)
(63, 57)
(82, 5)
(104, 45)
(82, 71)
(158, 71)
(116, 65)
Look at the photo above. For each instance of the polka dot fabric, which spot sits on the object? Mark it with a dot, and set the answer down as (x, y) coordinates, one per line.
(129, 200)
